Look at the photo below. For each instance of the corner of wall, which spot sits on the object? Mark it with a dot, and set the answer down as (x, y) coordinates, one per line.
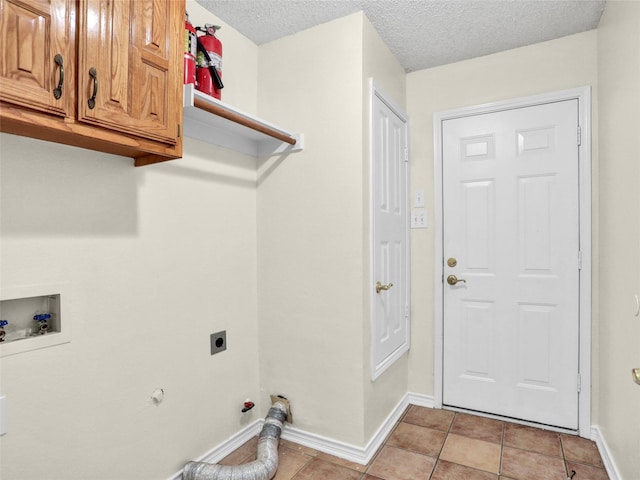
(310, 221)
(618, 233)
(380, 65)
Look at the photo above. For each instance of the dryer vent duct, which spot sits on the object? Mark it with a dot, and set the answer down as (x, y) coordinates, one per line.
(266, 463)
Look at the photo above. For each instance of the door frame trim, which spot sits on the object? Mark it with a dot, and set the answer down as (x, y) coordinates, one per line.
(583, 95)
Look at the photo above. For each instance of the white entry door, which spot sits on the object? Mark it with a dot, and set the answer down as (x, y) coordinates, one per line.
(511, 238)
(389, 233)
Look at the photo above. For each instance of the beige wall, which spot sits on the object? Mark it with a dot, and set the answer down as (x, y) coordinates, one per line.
(619, 92)
(310, 269)
(313, 251)
(157, 259)
(555, 65)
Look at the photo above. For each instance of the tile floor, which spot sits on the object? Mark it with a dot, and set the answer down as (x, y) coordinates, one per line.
(428, 444)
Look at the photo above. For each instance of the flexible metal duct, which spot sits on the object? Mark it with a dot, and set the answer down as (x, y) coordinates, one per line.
(263, 468)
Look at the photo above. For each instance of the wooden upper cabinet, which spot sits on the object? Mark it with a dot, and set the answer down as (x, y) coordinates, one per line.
(128, 75)
(37, 61)
(122, 63)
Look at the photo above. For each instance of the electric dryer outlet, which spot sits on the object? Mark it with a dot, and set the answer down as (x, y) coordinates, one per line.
(218, 342)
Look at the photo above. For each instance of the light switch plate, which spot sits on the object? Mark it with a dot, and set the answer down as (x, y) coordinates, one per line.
(418, 218)
(418, 198)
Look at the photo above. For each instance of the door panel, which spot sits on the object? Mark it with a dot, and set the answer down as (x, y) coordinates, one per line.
(476, 328)
(510, 209)
(36, 44)
(129, 46)
(480, 224)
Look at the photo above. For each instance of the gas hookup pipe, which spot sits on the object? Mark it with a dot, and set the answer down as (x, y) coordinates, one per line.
(266, 463)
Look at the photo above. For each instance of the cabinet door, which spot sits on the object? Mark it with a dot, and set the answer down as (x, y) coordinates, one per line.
(130, 66)
(37, 53)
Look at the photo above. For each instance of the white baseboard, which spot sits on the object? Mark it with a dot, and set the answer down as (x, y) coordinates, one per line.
(605, 453)
(353, 453)
(234, 442)
(420, 400)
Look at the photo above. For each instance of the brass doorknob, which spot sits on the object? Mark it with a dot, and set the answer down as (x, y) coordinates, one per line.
(380, 287)
(635, 373)
(452, 280)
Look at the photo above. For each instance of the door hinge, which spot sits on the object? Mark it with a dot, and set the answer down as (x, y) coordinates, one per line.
(178, 130)
(579, 383)
(579, 260)
(406, 154)
(406, 311)
(579, 135)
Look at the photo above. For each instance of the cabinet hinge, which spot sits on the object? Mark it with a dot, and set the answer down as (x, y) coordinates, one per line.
(579, 260)
(579, 383)
(579, 135)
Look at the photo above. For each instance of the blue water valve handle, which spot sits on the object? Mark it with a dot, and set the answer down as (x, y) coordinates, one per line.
(42, 317)
(3, 323)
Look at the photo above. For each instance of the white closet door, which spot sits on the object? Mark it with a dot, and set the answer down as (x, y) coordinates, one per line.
(389, 224)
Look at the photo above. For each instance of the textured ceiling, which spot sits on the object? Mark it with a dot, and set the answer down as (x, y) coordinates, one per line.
(420, 33)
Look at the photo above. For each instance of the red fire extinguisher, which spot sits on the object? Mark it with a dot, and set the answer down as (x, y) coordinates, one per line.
(190, 49)
(209, 71)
